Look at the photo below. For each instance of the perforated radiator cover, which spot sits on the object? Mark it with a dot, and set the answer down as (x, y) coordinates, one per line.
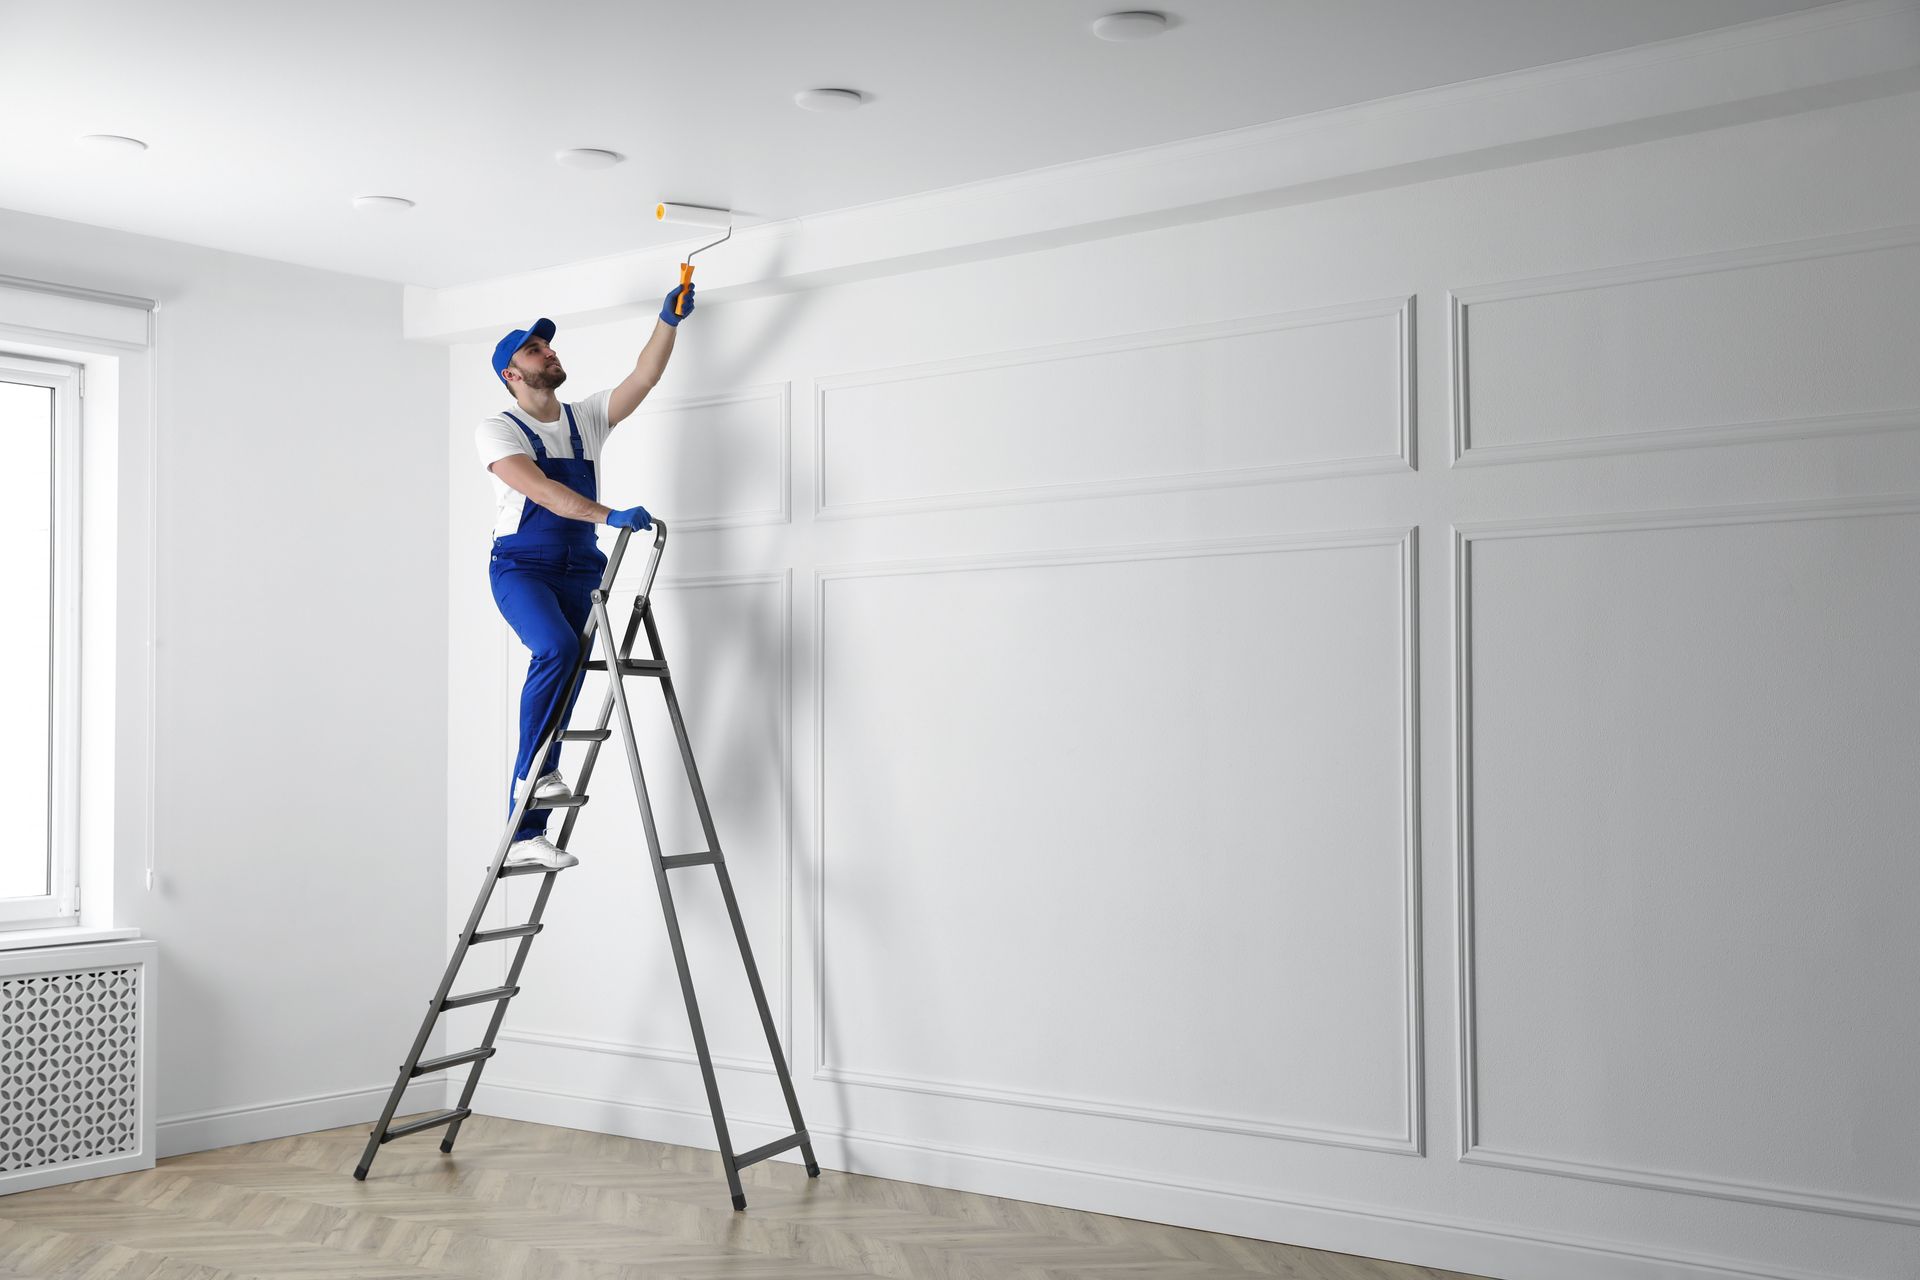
(69, 1067)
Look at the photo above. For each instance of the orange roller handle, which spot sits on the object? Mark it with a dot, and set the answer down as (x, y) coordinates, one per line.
(686, 278)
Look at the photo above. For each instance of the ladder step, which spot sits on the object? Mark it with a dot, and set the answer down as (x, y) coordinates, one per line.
(632, 666)
(689, 860)
(517, 931)
(758, 1154)
(431, 1122)
(527, 869)
(480, 997)
(432, 1065)
(565, 802)
(585, 735)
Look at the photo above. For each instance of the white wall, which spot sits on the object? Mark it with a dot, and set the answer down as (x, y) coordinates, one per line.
(1137, 805)
(299, 769)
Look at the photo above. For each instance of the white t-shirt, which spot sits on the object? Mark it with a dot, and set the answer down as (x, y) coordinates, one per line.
(498, 438)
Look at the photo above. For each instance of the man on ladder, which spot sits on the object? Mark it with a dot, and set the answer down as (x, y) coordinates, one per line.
(546, 560)
(552, 583)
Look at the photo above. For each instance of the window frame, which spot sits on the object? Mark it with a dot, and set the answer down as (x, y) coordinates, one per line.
(61, 906)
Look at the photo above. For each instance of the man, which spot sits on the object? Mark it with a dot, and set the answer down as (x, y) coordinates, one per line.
(546, 559)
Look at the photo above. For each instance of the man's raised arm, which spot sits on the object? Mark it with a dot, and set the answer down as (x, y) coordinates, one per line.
(651, 363)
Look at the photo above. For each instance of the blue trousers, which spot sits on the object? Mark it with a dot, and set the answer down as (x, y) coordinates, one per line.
(546, 597)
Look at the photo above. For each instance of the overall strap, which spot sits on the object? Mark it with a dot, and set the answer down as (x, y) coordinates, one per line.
(573, 432)
(533, 437)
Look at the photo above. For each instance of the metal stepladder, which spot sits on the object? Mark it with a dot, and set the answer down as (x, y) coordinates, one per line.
(621, 665)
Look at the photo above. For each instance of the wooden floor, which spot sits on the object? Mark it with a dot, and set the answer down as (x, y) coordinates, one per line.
(530, 1202)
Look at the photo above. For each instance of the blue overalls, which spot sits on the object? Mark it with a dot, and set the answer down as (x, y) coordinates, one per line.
(543, 578)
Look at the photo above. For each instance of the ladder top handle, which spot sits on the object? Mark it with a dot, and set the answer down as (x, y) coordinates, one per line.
(620, 552)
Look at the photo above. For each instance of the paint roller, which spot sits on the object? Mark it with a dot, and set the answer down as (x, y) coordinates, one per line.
(692, 215)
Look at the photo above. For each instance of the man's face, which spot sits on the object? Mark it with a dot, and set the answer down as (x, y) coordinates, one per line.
(537, 366)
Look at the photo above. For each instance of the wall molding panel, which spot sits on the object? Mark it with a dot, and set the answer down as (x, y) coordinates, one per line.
(1398, 366)
(1408, 1142)
(1471, 1149)
(774, 402)
(1461, 302)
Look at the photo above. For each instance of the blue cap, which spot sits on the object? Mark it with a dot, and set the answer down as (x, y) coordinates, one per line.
(504, 349)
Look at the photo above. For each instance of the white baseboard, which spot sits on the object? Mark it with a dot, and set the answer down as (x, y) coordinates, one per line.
(78, 1171)
(205, 1130)
(1422, 1240)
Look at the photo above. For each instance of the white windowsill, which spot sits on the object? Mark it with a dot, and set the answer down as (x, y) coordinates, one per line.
(18, 940)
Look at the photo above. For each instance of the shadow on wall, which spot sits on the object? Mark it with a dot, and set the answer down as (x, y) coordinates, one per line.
(725, 702)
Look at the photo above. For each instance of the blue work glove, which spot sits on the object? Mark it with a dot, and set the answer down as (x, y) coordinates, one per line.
(631, 518)
(666, 308)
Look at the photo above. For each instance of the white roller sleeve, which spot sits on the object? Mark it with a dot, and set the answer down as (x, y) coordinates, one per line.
(692, 215)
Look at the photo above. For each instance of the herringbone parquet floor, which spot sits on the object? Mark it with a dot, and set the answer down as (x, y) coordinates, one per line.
(530, 1202)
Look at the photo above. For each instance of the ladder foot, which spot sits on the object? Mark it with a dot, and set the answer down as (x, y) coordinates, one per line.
(813, 1171)
(360, 1174)
(740, 1202)
(446, 1147)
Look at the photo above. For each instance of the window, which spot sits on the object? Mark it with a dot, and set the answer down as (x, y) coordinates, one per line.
(40, 641)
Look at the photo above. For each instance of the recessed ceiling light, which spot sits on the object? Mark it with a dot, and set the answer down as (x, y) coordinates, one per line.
(1135, 24)
(382, 204)
(830, 99)
(114, 142)
(588, 158)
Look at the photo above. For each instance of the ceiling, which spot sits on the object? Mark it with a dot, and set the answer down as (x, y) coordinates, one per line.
(265, 119)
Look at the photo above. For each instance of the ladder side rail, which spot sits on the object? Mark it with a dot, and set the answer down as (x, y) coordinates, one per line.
(588, 635)
(548, 737)
(733, 906)
(606, 711)
(566, 830)
(680, 734)
(613, 655)
(673, 933)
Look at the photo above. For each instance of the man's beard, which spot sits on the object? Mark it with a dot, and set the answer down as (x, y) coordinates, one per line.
(544, 381)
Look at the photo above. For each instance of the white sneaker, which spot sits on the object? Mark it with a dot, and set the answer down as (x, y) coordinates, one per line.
(548, 786)
(539, 851)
